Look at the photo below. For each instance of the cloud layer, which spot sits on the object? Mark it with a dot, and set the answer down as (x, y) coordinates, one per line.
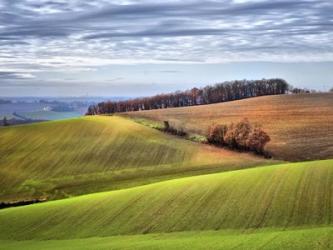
(75, 35)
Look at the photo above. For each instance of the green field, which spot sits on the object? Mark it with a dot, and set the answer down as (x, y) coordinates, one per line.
(287, 201)
(301, 239)
(116, 184)
(84, 155)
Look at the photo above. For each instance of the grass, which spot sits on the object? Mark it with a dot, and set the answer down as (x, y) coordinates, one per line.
(290, 196)
(64, 158)
(300, 126)
(160, 191)
(160, 126)
(301, 239)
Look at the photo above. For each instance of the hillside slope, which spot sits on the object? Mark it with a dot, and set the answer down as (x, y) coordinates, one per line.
(283, 196)
(89, 154)
(300, 126)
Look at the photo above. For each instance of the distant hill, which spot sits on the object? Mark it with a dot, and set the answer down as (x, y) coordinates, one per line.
(5, 101)
(84, 155)
(300, 126)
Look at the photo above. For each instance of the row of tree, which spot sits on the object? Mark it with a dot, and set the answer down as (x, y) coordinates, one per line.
(242, 135)
(222, 92)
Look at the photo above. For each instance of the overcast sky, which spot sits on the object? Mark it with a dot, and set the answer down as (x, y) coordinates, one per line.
(131, 48)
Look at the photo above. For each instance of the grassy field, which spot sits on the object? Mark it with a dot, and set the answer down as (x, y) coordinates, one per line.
(290, 196)
(301, 239)
(84, 155)
(138, 188)
(300, 126)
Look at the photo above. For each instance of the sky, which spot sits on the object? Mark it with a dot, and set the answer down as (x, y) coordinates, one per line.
(138, 48)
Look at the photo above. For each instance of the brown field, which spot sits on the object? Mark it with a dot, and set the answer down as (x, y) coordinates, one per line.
(300, 126)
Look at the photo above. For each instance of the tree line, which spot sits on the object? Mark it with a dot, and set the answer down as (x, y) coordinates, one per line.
(221, 92)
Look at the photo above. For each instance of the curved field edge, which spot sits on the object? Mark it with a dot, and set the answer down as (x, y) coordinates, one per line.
(302, 239)
(281, 196)
(89, 154)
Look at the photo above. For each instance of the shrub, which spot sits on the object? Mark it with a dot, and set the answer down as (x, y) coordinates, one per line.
(198, 138)
(242, 131)
(257, 140)
(230, 136)
(172, 130)
(216, 134)
(241, 135)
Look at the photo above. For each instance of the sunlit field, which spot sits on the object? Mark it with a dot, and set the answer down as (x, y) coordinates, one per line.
(63, 158)
(289, 202)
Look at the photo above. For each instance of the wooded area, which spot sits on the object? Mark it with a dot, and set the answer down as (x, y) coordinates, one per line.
(221, 92)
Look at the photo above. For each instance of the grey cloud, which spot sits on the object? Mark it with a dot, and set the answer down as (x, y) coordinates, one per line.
(170, 71)
(212, 9)
(34, 31)
(158, 32)
(14, 75)
(184, 31)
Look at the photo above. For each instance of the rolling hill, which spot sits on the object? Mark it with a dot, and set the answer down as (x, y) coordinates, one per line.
(300, 126)
(64, 158)
(271, 207)
(125, 185)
